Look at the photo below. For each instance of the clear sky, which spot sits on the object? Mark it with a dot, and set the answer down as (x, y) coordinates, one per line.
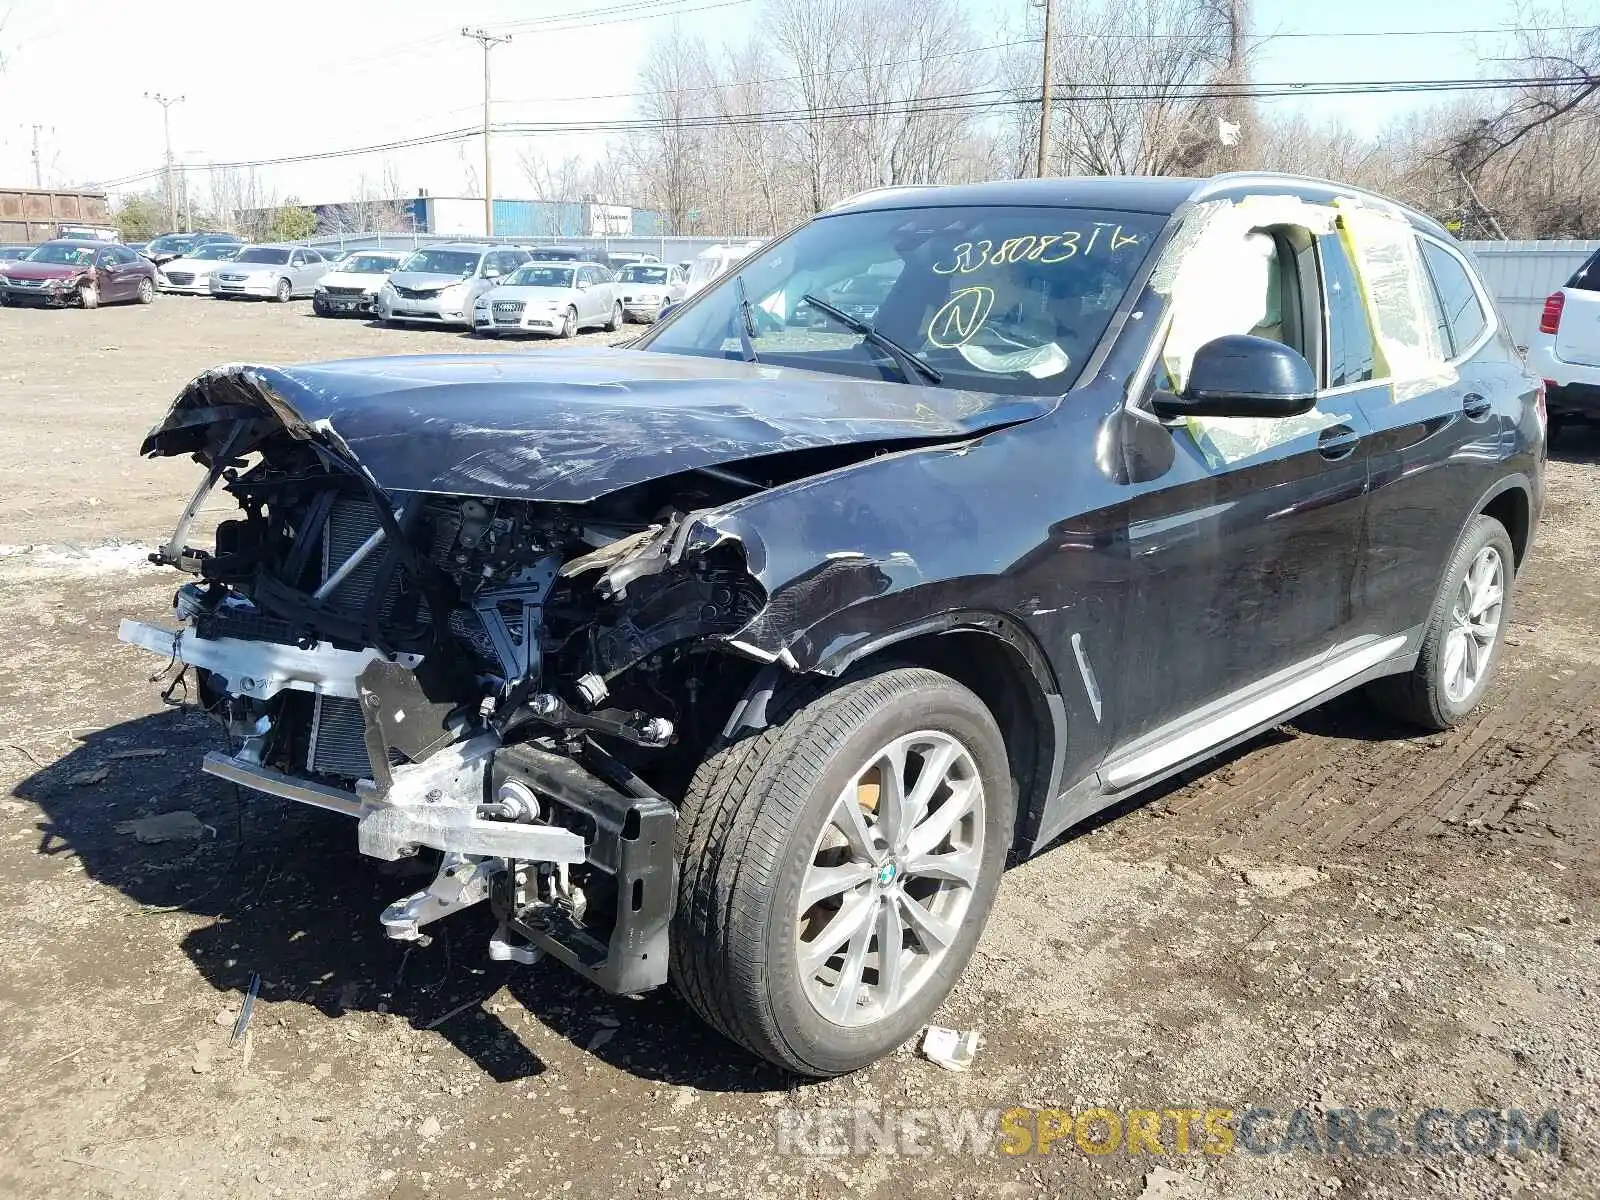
(293, 76)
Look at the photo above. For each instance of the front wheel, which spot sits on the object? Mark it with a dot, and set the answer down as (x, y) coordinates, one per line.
(569, 324)
(89, 296)
(616, 319)
(836, 868)
(1462, 639)
(283, 292)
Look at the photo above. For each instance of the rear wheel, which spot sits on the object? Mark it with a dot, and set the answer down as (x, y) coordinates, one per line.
(283, 292)
(1462, 639)
(837, 867)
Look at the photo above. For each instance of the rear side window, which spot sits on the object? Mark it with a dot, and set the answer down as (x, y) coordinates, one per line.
(1350, 356)
(1587, 278)
(1458, 299)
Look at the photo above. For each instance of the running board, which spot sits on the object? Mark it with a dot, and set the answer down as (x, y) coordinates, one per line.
(1196, 741)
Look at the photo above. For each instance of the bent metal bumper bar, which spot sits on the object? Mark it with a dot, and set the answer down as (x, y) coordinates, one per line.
(437, 802)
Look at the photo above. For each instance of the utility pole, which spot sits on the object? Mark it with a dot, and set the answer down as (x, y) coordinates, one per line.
(488, 41)
(1044, 96)
(38, 171)
(166, 103)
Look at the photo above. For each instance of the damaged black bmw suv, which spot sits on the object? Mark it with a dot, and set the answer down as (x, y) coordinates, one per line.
(746, 655)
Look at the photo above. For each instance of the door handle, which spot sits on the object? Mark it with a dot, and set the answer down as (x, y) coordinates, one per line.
(1475, 406)
(1337, 441)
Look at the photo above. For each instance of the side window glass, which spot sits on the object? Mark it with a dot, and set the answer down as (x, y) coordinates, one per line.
(1399, 299)
(1463, 312)
(1349, 354)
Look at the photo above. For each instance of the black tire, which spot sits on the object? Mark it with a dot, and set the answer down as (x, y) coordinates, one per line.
(753, 813)
(319, 306)
(147, 292)
(284, 292)
(1420, 696)
(616, 319)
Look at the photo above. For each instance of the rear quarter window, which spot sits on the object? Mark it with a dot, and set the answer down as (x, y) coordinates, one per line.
(1587, 277)
(1459, 305)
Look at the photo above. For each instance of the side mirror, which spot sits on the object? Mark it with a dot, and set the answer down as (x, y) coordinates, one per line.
(491, 273)
(1239, 375)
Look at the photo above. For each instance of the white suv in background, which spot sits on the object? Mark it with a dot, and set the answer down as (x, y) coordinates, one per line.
(1566, 350)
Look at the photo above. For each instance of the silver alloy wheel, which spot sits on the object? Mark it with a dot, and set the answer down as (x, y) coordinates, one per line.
(1474, 625)
(890, 878)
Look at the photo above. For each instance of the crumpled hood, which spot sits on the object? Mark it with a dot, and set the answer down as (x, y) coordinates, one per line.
(563, 425)
(41, 270)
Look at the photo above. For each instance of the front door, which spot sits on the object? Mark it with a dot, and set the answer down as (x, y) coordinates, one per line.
(116, 281)
(1243, 555)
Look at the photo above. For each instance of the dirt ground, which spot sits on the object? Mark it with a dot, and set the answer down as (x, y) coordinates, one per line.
(1339, 915)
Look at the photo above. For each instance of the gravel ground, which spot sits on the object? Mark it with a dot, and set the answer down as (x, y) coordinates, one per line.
(1339, 915)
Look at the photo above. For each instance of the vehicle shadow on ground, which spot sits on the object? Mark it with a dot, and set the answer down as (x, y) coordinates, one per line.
(1579, 444)
(291, 899)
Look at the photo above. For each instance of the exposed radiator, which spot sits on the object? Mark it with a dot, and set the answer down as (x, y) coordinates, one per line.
(338, 741)
(337, 744)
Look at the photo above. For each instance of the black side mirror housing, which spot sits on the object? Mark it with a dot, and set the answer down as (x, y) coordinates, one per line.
(1239, 375)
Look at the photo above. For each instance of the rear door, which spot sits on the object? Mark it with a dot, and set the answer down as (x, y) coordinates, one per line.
(1578, 334)
(1442, 424)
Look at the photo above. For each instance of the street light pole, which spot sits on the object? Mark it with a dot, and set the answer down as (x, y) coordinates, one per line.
(166, 103)
(488, 41)
(1044, 97)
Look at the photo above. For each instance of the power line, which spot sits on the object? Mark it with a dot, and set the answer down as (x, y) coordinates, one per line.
(988, 98)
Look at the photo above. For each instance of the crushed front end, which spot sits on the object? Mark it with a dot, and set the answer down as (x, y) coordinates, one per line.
(514, 684)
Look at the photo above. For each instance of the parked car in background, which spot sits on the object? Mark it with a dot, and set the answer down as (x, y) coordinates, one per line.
(617, 259)
(269, 272)
(858, 297)
(438, 285)
(191, 274)
(553, 298)
(10, 253)
(1566, 348)
(175, 245)
(137, 247)
(81, 272)
(352, 285)
(714, 262)
(645, 289)
(565, 254)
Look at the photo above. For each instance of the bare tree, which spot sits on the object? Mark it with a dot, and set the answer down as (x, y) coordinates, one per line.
(1134, 84)
(1563, 60)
